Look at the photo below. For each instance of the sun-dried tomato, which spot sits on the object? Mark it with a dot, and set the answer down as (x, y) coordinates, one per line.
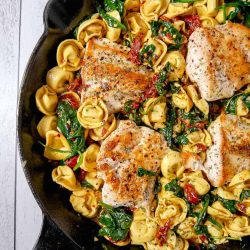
(161, 235)
(192, 22)
(191, 194)
(74, 103)
(71, 162)
(241, 207)
(135, 50)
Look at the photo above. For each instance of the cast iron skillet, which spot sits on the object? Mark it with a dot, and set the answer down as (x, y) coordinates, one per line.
(60, 17)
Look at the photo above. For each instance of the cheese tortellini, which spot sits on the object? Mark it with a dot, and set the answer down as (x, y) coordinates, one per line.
(113, 34)
(218, 211)
(241, 108)
(173, 208)
(178, 9)
(143, 227)
(57, 78)
(93, 27)
(198, 141)
(84, 201)
(132, 5)
(47, 123)
(238, 227)
(89, 158)
(57, 147)
(178, 65)
(98, 134)
(138, 26)
(200, 103)
(152, 9)
(186, 228)
(154, 112)
(93, 180)
(46, 100)
(182, 100)
(171, 165)
(65, 177)
(93, 113)
(69, 55)
(197, 180)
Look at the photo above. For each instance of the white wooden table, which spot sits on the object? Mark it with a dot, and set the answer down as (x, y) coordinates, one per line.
(21, 24)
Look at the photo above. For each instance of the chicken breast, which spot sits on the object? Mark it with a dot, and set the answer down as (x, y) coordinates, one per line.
(108, 73)
(230, 152)
(122, 153)
(218, 60)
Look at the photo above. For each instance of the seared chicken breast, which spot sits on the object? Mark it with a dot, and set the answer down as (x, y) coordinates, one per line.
(230, 152)
(218, 60)
(108, 73)
(128, 148)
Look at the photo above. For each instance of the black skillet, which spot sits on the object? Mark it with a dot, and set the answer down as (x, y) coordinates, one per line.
(62, 228)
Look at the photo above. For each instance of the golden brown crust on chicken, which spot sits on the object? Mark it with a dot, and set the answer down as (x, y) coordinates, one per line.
(230, 152)
(108, 73)
(122, 153)
(218, 60)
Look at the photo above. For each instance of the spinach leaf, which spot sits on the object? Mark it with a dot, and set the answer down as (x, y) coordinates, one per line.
(111, 21)
(176, 35)
(86, 184)
(115, 222)
(215, 222)
(168, 130)
(203, 212)
(244, 194)
(201, 229)
(181, 139)
(161, 81)
(142, 171)
(193, 116)
(174, 88)
(70, 127)
(54, 149)
(175, 187)
(110, 5)
(232, 103)
(228, 204)
(147, 53)
(128, 106)
(155, 26)
(131, 112)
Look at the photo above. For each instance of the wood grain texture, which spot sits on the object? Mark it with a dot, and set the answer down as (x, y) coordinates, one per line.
(9, 40)
(28, 214)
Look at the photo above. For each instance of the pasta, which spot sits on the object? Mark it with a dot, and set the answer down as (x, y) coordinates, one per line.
(47, 123)
(154, 112)
(98, 134)
(143, 228)
(129, 129)
(46, 100)
(57, 79)
(84, 201)
(113, 34)
(152, 9)
(93, 27)
(69, 55)
(65, 177)
(89, 158)
(57, 147)
(92, 113)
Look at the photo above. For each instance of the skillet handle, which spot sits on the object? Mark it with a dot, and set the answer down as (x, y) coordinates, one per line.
(51, 237)
(64, 15)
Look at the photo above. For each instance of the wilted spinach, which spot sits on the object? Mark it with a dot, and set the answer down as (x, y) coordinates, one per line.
(115, 222)
(231, 106)
(147, 53)
(228, 204)
(131, 112)
(110, 5)
(142, 171)
(244, 194)
(160, 84)
(70, 127)
(175, 187)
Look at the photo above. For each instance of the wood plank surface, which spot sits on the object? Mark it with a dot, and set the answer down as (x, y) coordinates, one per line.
(9, 40)
(28, 214)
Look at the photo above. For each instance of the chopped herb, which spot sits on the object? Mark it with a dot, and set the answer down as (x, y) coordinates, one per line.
(115, 222)
(146, 53)
(175, 187)
(142, 171)
(228, 204)
(86, 184)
